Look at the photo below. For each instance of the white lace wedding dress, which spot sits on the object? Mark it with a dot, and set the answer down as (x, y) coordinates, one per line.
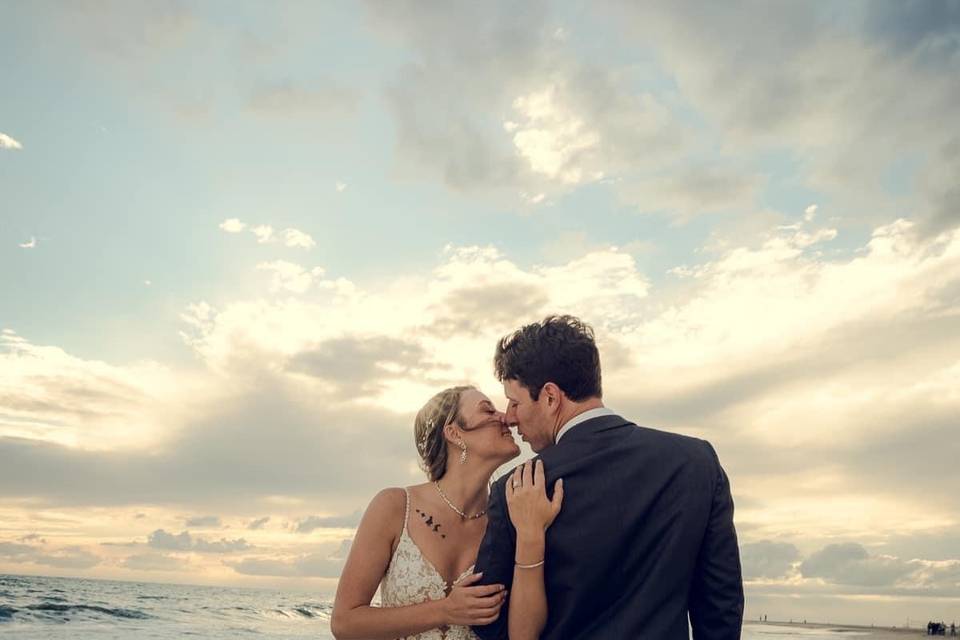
(411, 579)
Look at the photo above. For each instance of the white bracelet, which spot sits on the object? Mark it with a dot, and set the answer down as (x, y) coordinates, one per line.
(529, 566)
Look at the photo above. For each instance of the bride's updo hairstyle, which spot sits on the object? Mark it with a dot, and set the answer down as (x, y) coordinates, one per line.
(440, 410)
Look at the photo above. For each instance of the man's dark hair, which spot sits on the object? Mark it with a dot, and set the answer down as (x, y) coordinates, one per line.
(560, 349)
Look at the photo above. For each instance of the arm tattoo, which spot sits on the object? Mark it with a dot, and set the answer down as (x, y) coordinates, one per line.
(428, 520)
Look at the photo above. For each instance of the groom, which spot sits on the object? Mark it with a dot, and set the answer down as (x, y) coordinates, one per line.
(645, 537)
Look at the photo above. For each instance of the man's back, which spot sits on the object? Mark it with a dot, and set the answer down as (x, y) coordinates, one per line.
(645, 535)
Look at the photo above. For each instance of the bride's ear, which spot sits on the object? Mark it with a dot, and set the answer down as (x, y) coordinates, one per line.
(450, 434)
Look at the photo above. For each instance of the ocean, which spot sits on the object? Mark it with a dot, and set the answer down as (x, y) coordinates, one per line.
(34, 608)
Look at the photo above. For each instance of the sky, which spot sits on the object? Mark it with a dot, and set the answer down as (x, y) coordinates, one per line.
(242, 243)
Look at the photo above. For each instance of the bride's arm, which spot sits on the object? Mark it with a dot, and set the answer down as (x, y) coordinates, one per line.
(370, 553)
(532, 513)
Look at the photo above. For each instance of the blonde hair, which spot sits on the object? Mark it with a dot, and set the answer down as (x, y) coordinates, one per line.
(440, 410)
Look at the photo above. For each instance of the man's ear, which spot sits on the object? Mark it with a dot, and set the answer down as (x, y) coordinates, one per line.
(552, 394)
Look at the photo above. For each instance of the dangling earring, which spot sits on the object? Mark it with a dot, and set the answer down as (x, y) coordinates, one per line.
(463, 454)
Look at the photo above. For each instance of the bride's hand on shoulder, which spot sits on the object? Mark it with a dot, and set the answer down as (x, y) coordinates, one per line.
(527, 503)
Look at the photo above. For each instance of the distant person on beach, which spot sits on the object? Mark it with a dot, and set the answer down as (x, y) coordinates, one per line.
(645, 537)
(418, 543)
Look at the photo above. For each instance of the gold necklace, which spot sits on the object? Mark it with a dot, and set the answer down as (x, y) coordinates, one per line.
(462, 515)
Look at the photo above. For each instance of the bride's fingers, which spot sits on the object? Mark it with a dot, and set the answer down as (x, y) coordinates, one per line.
(517, 480)
(538, 476)
(557, 501)
(528, 474)
(466, 581)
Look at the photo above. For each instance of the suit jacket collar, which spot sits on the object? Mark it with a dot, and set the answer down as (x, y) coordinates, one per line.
(590, 427)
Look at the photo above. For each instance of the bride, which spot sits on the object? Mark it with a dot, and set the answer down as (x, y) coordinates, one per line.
(418, 543)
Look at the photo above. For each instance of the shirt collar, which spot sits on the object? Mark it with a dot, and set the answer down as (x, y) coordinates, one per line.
(583, 417)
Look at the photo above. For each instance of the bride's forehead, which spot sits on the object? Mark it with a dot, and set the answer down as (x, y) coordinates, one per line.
(472, 400)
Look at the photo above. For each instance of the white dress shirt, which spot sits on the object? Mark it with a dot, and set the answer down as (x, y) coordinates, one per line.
(583, 417)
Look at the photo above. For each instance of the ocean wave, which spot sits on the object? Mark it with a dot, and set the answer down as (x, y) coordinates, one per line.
(130, 614)
(6, 613)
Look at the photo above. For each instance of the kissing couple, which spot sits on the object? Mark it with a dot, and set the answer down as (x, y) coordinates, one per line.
(612, 531)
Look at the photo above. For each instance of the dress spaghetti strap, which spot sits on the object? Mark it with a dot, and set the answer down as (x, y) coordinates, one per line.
(406, 515)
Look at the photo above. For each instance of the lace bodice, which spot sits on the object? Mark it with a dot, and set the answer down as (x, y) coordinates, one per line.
(411, 579)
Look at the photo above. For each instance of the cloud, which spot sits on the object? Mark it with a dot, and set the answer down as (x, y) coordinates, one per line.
(154, 562)
(69, 558)
(6, 142)
(48, 394)
(767, 559)
(263, 232)
(15, 550)
(872, 75)
(312, 523)
(204, 521)
(266, 234)
(30, 244)
(811, 370)
(30, 537)
(233, 225)
(160, 539)
(296, 238)
(259, 523)
(359, 365)
(690, 190)
(313, 565)
(183, 541)
(341, 186)
(221, 546)
(850, 564)
(290, 277)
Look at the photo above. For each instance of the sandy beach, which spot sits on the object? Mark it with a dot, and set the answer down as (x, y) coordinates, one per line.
(773, 630)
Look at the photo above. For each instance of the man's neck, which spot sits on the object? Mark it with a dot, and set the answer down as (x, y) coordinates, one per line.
(574, 409)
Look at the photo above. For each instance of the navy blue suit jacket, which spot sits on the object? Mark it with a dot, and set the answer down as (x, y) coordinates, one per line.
(645, 539)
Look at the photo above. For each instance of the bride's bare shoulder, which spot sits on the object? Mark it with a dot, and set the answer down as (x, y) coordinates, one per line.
(388, 505)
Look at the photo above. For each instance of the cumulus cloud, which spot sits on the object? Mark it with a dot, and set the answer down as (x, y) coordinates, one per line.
(297, 238)
(233, 225)
(160, 539)
(204, 521)
(549, 120)
(258, 523)
(290, 277)
(767, 559)
(847, 98)
(360, 365)
(6, 142)
(183, 541)
(850, 563)
(312, 523)
(264, 233)
(29, 244)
